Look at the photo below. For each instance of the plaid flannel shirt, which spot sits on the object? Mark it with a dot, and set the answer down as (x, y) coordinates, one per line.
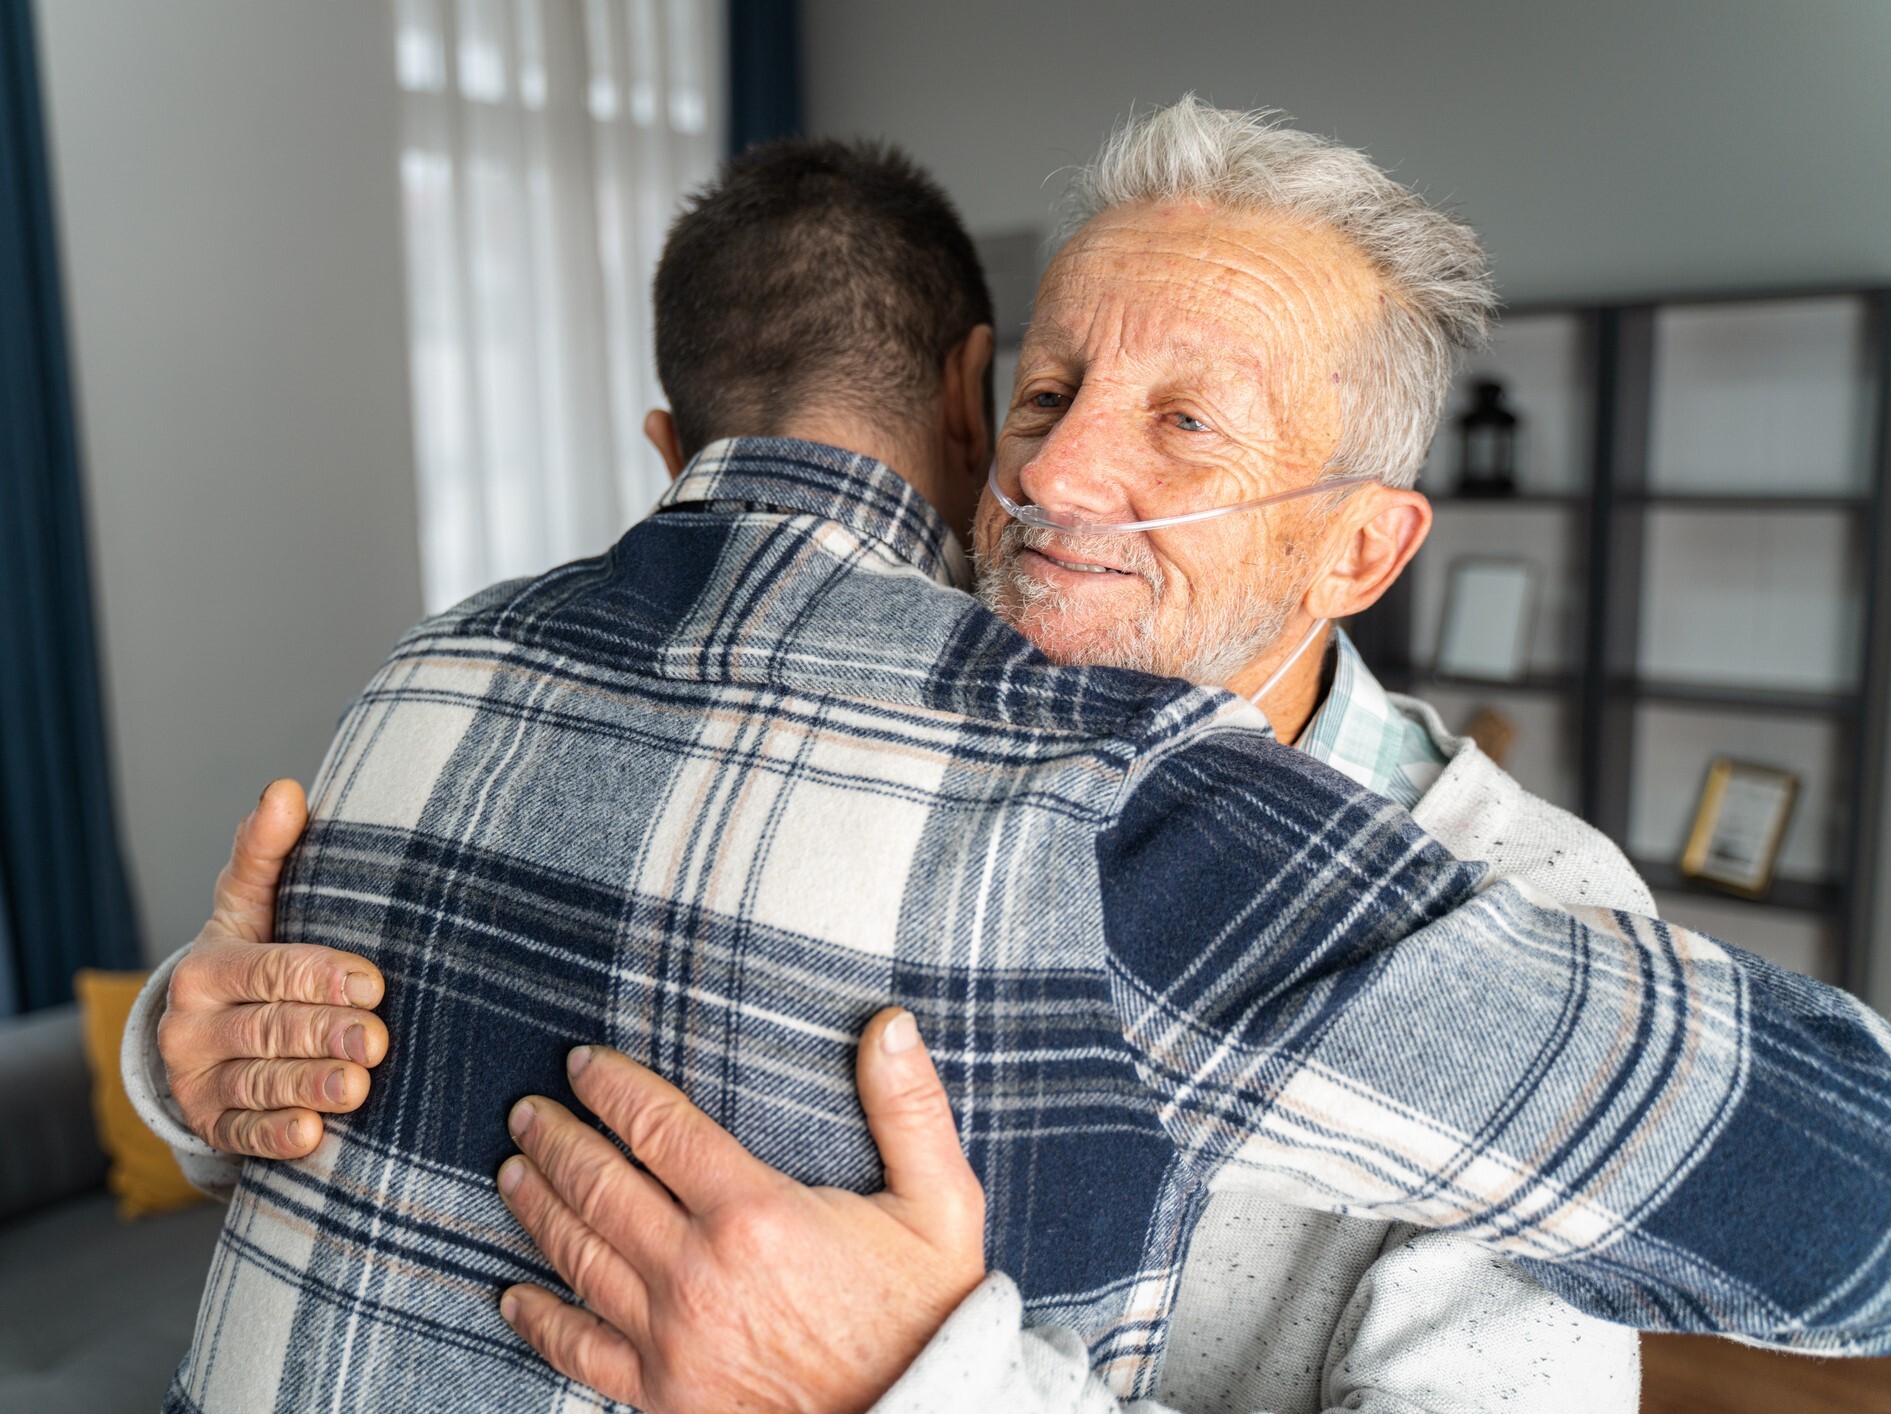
(720, 794)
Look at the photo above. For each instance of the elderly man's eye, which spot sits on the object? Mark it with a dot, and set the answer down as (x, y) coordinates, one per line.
(1190, 424)
(1048, 401)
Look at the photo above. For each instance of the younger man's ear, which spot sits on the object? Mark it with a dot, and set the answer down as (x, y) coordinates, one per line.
(1388, 526)
(968, 432)
(660, 428)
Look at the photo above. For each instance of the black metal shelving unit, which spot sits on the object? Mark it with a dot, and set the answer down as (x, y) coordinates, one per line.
(1608, 523)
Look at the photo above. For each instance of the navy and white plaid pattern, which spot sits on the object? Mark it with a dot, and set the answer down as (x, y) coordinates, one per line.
(717, 796)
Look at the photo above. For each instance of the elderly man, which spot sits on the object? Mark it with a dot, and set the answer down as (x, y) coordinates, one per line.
(1218, 252)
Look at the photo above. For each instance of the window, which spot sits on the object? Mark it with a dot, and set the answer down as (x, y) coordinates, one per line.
(546, 145)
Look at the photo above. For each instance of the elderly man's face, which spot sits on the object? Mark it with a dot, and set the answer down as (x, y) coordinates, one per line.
(1178, 359)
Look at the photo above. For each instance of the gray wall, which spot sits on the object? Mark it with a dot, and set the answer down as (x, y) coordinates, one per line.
(1602, 148)
(229, 195)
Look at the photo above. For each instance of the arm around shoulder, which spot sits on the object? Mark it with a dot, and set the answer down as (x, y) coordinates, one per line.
(1629, 1107)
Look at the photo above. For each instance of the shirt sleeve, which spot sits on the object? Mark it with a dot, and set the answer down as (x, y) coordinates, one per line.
(984, 1358)
(208, 1170)
(1439, 1323)
(1435, 1323)
(1332, 1010)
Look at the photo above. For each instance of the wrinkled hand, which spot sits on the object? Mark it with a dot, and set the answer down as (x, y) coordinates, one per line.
(727, 1285)
(258, 1036)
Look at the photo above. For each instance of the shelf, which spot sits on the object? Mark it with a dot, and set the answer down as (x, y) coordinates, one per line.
(1817, 896)
(1682, 501)
(1409, 679)
(1632, 484)
(1664, 501)
(1550, 684)
(1536, 500)
(1724, 698)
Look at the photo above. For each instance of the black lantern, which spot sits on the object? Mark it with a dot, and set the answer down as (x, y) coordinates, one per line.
(1487, 444)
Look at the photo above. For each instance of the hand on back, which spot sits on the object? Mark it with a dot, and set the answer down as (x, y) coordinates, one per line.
(713, 1282)
(260, 1038)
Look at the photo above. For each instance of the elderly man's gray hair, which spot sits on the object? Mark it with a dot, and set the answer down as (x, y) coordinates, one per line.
(1439, 296)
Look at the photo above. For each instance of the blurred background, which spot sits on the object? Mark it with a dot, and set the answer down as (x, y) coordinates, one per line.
(356, 322)
(319, 316)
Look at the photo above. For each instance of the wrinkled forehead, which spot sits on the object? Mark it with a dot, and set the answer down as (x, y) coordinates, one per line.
(1204, 292)
(1146, 337)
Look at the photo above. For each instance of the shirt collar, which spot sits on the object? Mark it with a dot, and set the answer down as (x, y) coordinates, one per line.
(811, 478)
(1360, 732)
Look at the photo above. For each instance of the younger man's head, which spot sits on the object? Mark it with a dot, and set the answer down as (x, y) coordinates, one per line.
(827, 290)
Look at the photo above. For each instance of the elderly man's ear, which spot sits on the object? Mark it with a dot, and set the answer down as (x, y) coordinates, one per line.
(1383, 532)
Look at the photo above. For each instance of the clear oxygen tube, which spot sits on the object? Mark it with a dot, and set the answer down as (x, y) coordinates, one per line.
(1041, 519)
(1274, 678)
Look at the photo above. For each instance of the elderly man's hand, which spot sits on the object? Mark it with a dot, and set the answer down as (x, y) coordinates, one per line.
(720, 1284)
(258, 1036)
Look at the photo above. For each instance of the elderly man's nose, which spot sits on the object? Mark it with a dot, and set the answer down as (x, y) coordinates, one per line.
(1075, 467)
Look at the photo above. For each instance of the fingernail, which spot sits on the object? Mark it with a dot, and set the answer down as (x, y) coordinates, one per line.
(359, 988)
(520, 1119)
(355, 1042)
(579, 1058)
(265, 795)
(510, 1172)
(509, 1309)
(901, 1034)
(336, 1086)
(299, 1133)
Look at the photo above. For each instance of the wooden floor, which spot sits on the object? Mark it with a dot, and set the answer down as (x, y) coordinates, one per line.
(1685, 1374)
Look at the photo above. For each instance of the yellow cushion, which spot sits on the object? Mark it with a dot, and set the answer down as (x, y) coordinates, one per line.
(143, 1173)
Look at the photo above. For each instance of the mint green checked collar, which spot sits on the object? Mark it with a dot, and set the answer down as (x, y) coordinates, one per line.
(1363, 736)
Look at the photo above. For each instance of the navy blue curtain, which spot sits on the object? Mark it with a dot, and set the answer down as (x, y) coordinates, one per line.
(64, 903)
(764, 71)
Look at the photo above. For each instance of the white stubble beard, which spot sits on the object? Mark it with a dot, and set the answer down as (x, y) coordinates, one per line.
(1215, 641)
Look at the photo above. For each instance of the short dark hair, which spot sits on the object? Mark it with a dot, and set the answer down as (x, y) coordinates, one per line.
(811, 270)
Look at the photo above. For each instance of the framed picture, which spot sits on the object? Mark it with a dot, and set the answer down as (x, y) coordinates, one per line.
(1740, 826)
(1486, 629)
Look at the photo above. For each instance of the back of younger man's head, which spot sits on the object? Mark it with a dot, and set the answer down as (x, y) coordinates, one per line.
(812, 274)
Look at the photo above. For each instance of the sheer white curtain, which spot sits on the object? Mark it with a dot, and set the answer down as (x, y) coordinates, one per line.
(546, 145)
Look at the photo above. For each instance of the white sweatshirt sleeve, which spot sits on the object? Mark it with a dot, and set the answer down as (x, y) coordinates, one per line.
(983, 1358)
(210, 1170)
(1435, 1326)
(1440, 1324)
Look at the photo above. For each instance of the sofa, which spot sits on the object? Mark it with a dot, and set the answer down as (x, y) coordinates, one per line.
(95, 1313)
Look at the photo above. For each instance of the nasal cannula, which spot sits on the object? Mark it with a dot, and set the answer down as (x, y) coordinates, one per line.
(1041, 519)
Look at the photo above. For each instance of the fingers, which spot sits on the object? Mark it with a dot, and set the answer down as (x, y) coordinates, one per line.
(693, 1156)
(911, 1120)
(588, 1174)
(590, 1265)
(331, 1087)
(219, 973)
(267, 1134)
(575, 1343)
(289, 1030)
(246, 889)
(267, 1108)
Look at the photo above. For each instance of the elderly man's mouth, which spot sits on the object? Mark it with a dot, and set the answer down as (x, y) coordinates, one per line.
(1071, 564)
